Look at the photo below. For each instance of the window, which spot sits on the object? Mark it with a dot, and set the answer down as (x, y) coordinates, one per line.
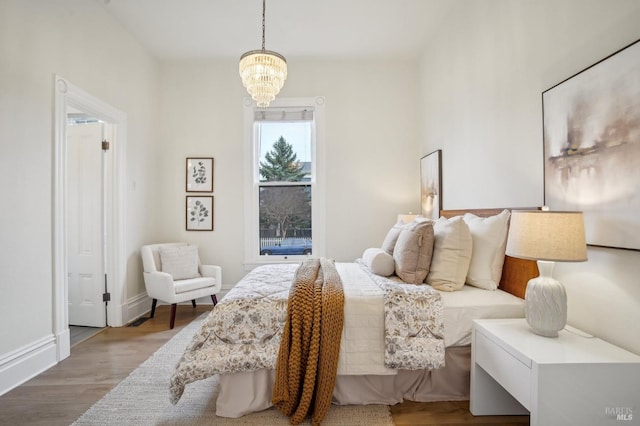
(284, 190)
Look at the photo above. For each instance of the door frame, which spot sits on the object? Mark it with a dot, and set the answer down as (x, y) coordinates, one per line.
(67, 95)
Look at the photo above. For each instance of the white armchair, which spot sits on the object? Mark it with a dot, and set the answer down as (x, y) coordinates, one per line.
(162, 286)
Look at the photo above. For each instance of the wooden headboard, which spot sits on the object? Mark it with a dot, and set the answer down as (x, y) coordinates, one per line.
(515, 272)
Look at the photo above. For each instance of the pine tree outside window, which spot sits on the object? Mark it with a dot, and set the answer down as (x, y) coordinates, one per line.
(286, 219)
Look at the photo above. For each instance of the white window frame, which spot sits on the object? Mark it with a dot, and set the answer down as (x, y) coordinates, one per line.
(252, 257)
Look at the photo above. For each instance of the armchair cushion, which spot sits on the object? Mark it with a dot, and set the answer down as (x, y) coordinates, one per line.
(183, 286)
(179, 261)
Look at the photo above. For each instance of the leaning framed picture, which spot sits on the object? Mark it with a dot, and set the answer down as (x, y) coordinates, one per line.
(431, 185)
(591, 133)
(199, 213)
(200, 174)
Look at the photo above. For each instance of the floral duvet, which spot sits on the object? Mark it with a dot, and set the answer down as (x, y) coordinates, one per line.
(243, 332)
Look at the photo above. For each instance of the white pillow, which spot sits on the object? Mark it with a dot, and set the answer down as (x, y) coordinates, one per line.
(392, 237)
(489, 235)
(451, 254)
(179, 261)
(379, 261)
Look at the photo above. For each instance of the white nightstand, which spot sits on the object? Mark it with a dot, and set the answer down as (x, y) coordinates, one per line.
(567, 380)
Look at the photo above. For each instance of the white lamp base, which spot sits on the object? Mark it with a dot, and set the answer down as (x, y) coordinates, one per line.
(545, 302)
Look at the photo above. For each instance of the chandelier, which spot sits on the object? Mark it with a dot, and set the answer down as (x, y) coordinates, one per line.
(263, 72)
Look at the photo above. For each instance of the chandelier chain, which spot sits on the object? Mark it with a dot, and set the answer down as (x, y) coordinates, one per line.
(264, 7)
(263, 72)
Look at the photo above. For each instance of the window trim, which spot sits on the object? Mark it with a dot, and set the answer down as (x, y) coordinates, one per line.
(252, 256)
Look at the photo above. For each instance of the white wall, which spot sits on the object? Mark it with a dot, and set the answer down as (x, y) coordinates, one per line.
(79, 41)
(371, 136)
(482, 75)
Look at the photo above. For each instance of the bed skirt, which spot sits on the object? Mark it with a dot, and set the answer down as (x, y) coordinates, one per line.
(244, 393)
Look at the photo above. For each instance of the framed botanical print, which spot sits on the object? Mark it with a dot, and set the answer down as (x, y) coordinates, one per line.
(200, 174)
(199, 214)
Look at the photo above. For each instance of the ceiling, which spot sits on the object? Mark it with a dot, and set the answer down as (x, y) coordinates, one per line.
(199, 29)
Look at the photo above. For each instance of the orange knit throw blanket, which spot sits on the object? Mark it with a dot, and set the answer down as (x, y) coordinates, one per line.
(309, 349)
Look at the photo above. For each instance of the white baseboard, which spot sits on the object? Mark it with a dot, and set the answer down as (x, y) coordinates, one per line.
(24, 363)
(140, 305)
(136, 307)
(63, 344)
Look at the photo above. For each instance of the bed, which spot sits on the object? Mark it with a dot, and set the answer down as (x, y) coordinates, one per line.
(364, 375)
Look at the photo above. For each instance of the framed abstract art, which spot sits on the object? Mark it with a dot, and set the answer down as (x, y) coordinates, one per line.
(431, 185)
(591, 133)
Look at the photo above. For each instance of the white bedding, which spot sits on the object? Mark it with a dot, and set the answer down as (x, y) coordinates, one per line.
(394, 325)
(463, 306)
(362, 346)
(242, 393)
(362, 349)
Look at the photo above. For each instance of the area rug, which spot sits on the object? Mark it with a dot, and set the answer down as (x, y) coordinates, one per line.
(143, 398)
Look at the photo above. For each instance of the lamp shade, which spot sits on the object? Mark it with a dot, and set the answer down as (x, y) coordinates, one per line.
(547, 235)
(406, 218)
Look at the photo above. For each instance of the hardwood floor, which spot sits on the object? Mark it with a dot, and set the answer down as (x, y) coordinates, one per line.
(450, 413)
(61, 394)
(64, 392)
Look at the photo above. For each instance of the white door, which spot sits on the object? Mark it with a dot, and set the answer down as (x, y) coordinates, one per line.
(85, 225)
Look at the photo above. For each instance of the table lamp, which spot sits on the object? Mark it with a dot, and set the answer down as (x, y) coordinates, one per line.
(406, 217)
(546, 237)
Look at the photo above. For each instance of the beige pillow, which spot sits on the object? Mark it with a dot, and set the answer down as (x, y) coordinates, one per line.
(390, 240)
(489, 235)
(379, 261)
(179, 261)
(413, 251)
(451, 254)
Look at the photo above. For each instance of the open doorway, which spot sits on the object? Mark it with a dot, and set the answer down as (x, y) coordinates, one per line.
(88, 219)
